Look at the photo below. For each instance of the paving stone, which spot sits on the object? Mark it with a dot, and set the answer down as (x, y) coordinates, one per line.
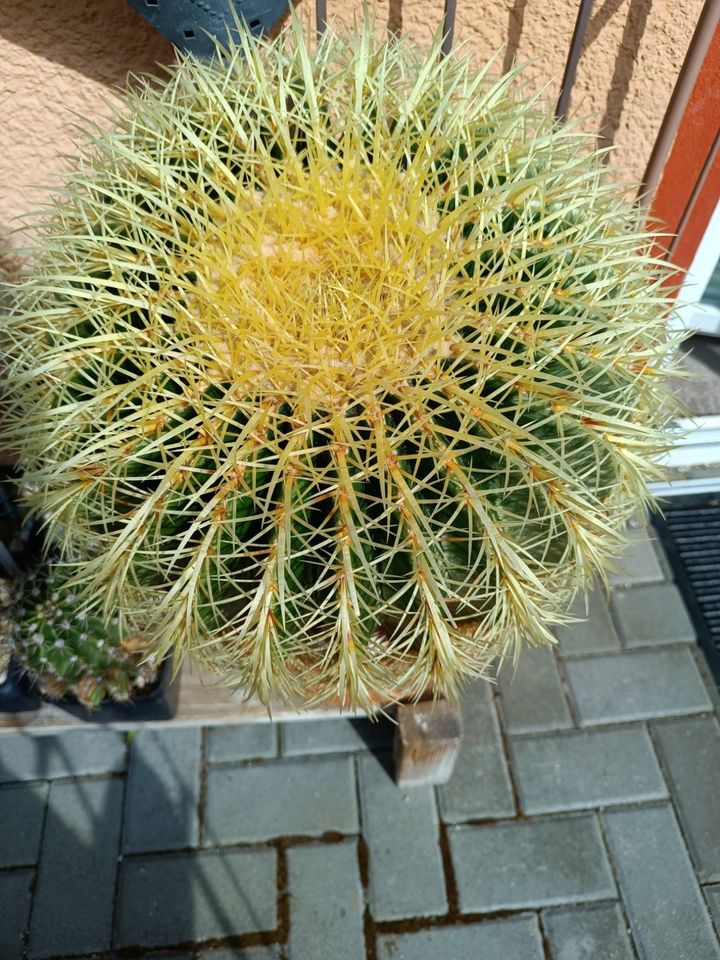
(587, 933)
(634, 686)
(22, 812)
(15, 892)
(294, 797)
(401, 831)
(654, 613)
(517, 938)
(541, 863)
(480, 786)
(241, 741)
(326, 903)
(158, 956)
(638, 563)
(532, 697)
(571, 771)
(667, 914)
(712, 895)
(691, 751)
(175, 898)
(595, 633)
(73, 753)
(163, 791)
(73, 903)
(335, 736)
(238, 953)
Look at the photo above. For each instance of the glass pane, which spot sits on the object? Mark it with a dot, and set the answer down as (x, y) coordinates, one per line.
(712, 291)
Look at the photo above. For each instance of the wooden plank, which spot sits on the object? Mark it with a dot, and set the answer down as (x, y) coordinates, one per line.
(203, 700)
(427, 742)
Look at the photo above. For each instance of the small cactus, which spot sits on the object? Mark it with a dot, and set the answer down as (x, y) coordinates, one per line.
(8, 599)
(17, 555)
(68, 650)
(347, 366)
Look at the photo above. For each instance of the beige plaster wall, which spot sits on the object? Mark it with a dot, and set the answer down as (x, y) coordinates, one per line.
(59, 57)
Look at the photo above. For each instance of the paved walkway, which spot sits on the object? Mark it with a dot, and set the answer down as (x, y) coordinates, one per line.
(583, 821)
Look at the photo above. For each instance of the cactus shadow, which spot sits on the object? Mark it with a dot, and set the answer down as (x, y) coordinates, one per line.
(378, 735)
(98, 883)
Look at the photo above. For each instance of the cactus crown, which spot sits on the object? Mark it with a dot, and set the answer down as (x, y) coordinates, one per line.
(354, 261)
(348, 365)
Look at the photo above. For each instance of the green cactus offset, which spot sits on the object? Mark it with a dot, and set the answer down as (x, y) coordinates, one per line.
(67, 650)
(347, 365)
(14, 553)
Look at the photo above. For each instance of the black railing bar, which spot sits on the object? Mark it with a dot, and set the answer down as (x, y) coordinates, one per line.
(448, 26)
(704, 31)
(320, 17)
(581, 25)
(707, 167)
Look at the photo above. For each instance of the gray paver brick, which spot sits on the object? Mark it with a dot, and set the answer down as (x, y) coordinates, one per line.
(292, 797)
(22, 812)
(639, 562)
(595, 633)
(72, 753)
(162, 956)
(326, 903)
(15, 891)
(480, 786)
(242, 741)
(334, 736)
(654, 613)
(175, 898)
(530, 864)
(77, 867)
(163, 791)
(401, 831)
(588, 933)
(586, 769)
(532, 697)
(637, 685)
(240, 953)
(667, 914)
(517, 938)
(691, 751)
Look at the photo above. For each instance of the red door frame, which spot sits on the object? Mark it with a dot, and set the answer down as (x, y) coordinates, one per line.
(678, 204)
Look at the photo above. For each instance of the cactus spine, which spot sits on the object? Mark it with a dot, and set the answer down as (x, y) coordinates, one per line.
(347, 365)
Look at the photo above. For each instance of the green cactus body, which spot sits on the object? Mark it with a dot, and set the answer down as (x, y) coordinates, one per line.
(347, 365)
(68, 650)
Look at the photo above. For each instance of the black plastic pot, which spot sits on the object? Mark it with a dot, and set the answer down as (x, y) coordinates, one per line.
(20, 547)
(17, 694)
(157, 703)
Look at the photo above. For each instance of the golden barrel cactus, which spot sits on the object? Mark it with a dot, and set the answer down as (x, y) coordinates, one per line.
(347, 365)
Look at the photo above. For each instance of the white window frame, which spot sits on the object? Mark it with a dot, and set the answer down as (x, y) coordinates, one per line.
(696, 449)
(699, 445)
(691, 314)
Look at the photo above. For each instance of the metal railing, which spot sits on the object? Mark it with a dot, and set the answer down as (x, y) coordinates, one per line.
(706, 26)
